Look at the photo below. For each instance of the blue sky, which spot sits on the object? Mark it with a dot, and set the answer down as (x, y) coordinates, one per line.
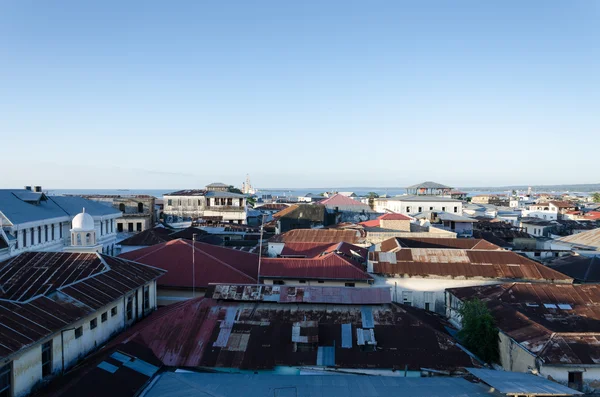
(149, 94)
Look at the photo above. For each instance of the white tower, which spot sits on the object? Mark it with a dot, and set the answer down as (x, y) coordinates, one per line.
(83, 234)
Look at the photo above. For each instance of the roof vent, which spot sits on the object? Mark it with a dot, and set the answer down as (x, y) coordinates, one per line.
(28, 188)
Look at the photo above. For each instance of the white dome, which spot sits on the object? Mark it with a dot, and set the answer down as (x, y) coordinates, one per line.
(83, 222)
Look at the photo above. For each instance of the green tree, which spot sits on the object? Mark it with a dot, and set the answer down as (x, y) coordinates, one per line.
(372, 195)
(251, 200)
(479, 333)
(596, 197)
(233, 189)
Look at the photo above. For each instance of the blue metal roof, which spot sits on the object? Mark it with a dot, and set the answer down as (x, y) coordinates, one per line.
(22, 206)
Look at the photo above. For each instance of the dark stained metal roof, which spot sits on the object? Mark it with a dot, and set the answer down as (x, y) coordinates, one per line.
(153, 236)
(505, 265)
(313, 250)
(260, 336)
(43, 292)
(557, 322)
(434, 242)
(581, 268)
(300, 294)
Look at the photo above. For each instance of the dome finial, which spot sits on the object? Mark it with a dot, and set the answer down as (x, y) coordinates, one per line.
(83, 210)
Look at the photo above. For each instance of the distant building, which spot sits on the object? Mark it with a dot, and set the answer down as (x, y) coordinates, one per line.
(409, 205)
(585, 243)
(493, 199)
(303, 216)
(429, 189)
(30, 220)
(461, 225)
(347, 209)
(57, 307)
(139, 211)
(276, 243)
(213, 204)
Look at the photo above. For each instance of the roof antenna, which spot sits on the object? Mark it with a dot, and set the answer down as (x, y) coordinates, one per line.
(193, 265)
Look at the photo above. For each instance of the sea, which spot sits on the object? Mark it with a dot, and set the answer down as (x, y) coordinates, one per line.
(278, 192)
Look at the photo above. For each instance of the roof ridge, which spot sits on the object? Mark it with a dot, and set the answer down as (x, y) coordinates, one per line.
(217, 259)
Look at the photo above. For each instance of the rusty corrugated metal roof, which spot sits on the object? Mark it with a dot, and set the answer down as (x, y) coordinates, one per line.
(505, 265)
(328, 267)
(43, 292)
(559, 323)
(184, 335)
(318, 236)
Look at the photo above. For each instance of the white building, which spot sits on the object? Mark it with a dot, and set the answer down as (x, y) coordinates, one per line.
(414, 204)
(33, 221)
(60, 306)
(215, 204)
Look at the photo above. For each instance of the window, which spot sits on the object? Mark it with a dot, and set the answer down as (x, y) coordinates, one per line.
(138, 226)
(241, 202)
(208, 202)
(146, 297)
(430, 208)
(229, 201)
(122, 207)
(349, 285)
(101, 228)
(302, 281)
(6, 380)
(169, 202)
(407, 297)
(199, 203)
(104, 317)
(455, 209)
(47, 359)
(112, 225)
(24, 239)
(52, 232)
(420, 209)
(407, 209)
(130, 227)
(576, 380)
(537, 254)
(129, 308)
(119, 227)
(78, 332)
(278, 282)
(113, 311)
(94, 323)
(428, 299)
(60, 230)
(46, 233)
(140, 207)
(321, 282)
(443, 208)
(39, 234)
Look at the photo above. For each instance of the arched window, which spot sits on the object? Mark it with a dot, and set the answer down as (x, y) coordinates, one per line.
(88, 239)
(140, 207)
(78, 239)
(122, 207)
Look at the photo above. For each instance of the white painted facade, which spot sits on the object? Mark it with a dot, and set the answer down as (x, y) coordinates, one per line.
(230, 208)
(27, 363)
(413, 205)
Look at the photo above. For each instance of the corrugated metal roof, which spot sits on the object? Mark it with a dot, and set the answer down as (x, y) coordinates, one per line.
(300, 294)
(518, 383)
(557, 322)
(582, 268)
(452, 243)
(148, 237)
(85, 282)
(428, 185)
(590, 238)
(183, 335)
(329, 267)
(227, 385)
(318, 236)
(213, 264)
(504, 265)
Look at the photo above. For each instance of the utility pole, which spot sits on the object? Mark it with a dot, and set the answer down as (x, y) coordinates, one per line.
(193, 265)
(262, 229)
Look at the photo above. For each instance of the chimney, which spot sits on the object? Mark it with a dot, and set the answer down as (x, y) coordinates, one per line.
(27, 187)
(37, 189)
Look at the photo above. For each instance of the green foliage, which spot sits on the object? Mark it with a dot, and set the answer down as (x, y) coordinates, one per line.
(596, 197)
(372, 195)
(251, 200)
(232, 189)
(479, 333)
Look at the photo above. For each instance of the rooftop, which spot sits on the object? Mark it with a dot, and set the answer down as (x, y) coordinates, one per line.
(317, 236)
(227, 385)
(397, 243)
(205, 332)
(328, 267)
(152, 236)
(313, 250)
(428, 185)
(443, 216)
(341, 201)
(589, 239)
(213, 264)
(462, 263)
(423, 198)
(582, 268)
(518, 383)
(43, 292)
(560, 323)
